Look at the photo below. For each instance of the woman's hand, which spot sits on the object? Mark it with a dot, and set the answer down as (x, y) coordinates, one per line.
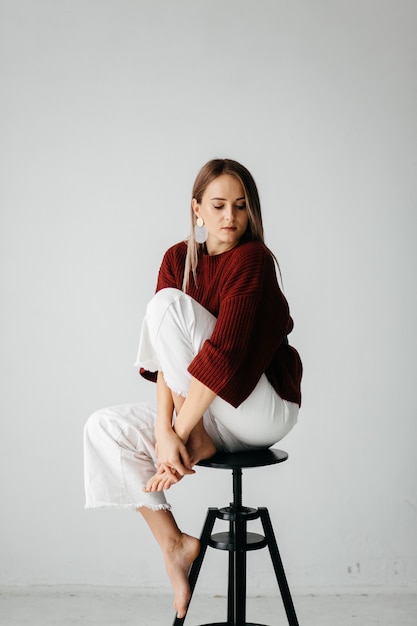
(174, 462)
(172, 452)
(163, 479)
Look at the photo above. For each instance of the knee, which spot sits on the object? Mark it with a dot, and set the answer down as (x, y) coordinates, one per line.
(162, 300)
(158, 306)
(100, 424)
(92, 427)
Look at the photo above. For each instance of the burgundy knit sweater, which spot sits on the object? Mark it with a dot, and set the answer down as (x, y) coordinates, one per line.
(240, 288)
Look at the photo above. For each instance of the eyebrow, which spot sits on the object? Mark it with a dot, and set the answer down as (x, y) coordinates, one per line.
(237, 199)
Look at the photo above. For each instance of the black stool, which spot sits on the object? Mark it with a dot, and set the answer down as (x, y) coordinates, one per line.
(238, 541)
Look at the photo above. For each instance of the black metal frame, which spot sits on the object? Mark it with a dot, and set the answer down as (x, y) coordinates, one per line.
(238, 542)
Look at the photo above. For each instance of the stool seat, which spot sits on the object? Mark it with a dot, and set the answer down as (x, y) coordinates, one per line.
(238, 541)
(249, 458)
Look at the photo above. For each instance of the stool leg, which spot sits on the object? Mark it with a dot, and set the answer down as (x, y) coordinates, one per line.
(278, 567)
(231, 589)
(196, 566)
(240, 573)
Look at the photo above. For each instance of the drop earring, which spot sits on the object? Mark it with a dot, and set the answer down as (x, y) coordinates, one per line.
(200, 231)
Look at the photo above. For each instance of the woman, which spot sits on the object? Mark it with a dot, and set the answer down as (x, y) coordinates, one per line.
(214, 339)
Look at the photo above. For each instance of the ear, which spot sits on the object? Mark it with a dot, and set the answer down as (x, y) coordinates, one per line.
(195, 206)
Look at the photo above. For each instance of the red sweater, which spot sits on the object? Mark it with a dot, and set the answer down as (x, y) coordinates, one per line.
(240, 288)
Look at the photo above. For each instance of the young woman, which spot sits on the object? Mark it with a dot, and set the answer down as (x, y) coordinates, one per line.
(214, 339)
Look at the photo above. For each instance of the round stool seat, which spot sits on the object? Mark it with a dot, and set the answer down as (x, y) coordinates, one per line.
(250, 458)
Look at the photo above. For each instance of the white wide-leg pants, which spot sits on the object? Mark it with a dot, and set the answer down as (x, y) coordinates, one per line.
(119, 442)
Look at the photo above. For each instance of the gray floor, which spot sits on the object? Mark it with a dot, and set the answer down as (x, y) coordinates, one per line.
(62, 606)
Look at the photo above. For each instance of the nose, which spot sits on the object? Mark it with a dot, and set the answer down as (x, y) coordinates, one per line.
(230, 213)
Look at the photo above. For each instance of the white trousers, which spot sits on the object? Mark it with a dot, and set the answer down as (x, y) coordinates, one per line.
(119, 442)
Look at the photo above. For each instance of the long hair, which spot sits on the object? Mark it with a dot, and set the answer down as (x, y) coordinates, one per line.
(211, 170)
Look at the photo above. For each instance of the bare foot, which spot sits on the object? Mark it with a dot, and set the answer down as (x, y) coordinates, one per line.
(163, 479)
(200, 445)
(178, 560)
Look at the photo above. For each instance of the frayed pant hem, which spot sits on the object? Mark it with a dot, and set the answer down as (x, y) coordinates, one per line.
(131, 507)
(172, 388)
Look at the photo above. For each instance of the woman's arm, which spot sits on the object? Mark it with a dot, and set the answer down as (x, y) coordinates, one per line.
(196, 403)
(173, 441)
(171, 451)
(164, 404)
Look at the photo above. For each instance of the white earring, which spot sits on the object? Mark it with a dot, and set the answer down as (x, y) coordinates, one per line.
(200, 231)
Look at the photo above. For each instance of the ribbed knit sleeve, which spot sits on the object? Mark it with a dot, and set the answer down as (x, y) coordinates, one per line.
(171, 271)
(252, 322)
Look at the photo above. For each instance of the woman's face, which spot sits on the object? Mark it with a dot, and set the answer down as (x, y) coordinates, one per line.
(223, 209)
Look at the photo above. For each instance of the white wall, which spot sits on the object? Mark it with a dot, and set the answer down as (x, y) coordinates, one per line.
(108, 110)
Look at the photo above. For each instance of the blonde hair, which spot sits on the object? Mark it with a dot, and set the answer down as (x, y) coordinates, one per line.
(211, 170)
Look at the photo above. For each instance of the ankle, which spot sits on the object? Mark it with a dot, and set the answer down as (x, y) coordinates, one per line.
(171, 544)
